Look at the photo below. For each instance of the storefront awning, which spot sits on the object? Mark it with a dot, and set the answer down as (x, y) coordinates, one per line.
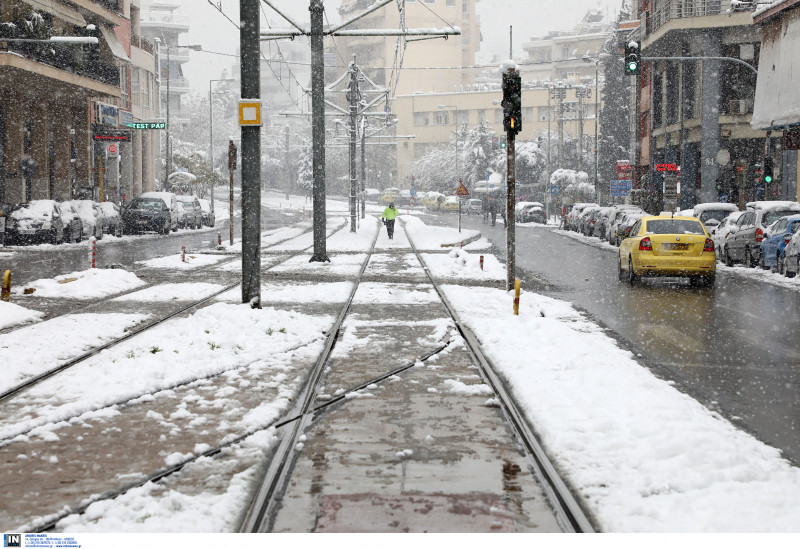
(113, 42)
(58, 10)
(777, 103)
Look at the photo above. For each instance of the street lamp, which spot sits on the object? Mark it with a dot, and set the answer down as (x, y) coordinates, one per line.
(211, 133)
(168, 160)
(596, 62)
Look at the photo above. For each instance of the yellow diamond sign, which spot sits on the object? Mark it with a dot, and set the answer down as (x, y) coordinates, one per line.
(250, 113)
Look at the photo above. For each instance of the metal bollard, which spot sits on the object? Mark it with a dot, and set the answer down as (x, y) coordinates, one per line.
(183, 254)
(5, 295)
(516, 296)
(481, 263)
(93, 244)
(219, 238)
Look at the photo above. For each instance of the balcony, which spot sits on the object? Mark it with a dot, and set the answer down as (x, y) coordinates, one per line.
(164, 19)
(143, 44)
(67, 58)
(694, 14)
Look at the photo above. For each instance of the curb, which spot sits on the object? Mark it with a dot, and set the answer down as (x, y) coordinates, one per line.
(462, 243)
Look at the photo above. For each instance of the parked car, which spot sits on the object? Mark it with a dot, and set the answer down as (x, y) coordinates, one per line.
(522, 205)
(91, 216)
(113, 218)
(791, 252)
(533, 214)
(776, 238)
(743, 244)
(193, 212)
(73, 226)
(722, 232)
(584, 221)
(208, 214)
(147, 214)
(624, 226)
(474, 206)
(614, 217)
(667, 245)
(34, 221)
(598, 221)
(171, 200)
(450, 204)
(712, 214)
(571, 223)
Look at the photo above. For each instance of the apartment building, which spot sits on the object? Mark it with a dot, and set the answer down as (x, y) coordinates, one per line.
(777, 103)
(696, 112)
(64, 108)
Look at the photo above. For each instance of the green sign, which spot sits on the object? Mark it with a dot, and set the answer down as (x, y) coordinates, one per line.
(147, 125)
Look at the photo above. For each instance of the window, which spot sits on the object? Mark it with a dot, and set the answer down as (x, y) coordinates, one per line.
(498, 116)
(125, 99)
(442, 119)
(422, 118)
(462, 117)
(451, 2)
(430, 1)
(135, 86)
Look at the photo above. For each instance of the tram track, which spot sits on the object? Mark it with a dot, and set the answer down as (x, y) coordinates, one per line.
(260, 515)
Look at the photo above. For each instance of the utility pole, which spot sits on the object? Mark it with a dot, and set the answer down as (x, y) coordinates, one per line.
(353, 97)
(317, 33)
(288, 166)
(249, 15)
(363, 167)
(318, 129)
(512, 124)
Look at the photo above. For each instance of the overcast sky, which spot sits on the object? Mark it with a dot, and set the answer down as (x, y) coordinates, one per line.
(529, 18)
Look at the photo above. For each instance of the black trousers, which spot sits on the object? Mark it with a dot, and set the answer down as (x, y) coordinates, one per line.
(390, 227)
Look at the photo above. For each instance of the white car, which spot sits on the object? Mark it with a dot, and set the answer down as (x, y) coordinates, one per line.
(723, 230)
(474, 206)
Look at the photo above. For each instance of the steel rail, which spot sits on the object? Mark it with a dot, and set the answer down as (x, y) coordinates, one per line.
(27, 384)
(260, 512)
(568, 510)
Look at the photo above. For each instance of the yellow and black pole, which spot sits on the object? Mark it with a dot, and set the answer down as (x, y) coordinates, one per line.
(516, 296)
(5, 295)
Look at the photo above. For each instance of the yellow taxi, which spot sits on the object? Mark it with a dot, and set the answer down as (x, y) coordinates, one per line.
(668, 245)
(450, 204)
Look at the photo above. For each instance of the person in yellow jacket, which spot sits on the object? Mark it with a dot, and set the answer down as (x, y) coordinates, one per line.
(388, 216)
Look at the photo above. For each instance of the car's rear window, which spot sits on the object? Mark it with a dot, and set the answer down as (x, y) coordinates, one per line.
(674, 226)
(774, 215)
(719, 215)
(147, 204)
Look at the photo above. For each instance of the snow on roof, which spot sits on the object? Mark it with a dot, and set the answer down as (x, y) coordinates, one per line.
(705, 206)
(773, 204)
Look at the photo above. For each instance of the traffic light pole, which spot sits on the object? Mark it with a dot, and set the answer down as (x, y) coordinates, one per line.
(510, 203)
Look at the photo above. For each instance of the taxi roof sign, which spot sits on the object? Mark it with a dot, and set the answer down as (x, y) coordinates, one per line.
(250, 112)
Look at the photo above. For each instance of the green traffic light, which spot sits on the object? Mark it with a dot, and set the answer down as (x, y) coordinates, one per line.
(768, 179)
(632, 66)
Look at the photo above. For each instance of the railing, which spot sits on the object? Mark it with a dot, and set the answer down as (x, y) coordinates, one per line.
(143, 44)
(681, 9)
(163, 17)
(69, 58)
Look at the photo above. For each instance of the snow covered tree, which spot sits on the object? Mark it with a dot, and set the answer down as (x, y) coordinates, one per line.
(478, 153)
(575, 186)
(305, 171)
(615, 116)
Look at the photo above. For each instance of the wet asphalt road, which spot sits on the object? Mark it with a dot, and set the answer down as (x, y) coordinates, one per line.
(732, 347)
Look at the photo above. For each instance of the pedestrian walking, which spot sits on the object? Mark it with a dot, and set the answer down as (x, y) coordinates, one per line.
(493, 210)
(388, 217)
(485, 209)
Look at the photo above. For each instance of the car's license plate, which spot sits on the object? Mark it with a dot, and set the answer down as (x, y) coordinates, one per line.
(142, 222)
(674, 246)
(27, 231)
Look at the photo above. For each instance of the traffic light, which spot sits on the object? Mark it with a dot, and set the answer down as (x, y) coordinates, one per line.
(633, 59)
(512, 102)
(768, 170)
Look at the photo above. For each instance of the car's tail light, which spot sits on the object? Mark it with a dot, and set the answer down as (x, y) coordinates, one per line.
(645, 244)
(759, 234)
(787, 238)
(709, 247)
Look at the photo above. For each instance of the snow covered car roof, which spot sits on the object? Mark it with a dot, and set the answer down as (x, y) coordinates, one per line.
(35, 209)
(773, 204)
(715, 206)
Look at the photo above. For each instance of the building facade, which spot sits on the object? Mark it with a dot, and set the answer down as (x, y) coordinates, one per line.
(65, 108)
(696, 111)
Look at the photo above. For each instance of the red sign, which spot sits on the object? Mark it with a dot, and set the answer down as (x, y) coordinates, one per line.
(112, 148)
(667, 168)
(461, 190)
